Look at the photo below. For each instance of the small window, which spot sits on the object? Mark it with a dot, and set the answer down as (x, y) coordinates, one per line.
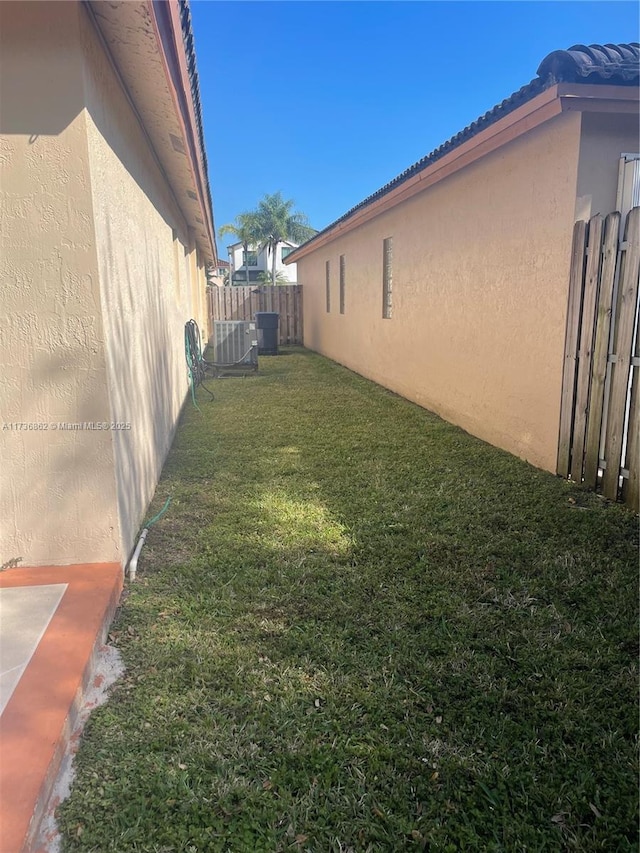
(387, 278)
(286, 251)
(327, 271)
(249, 259)
(342, 283)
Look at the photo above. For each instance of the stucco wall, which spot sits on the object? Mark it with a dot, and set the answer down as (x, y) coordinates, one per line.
(100, 273)
(605, 136)
(480, 271)
(57, 489)
(150, 286)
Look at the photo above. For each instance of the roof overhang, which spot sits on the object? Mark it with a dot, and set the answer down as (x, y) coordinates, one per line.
(144, 41)
(558, 98)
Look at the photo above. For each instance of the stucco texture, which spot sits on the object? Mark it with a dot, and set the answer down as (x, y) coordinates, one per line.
(148, 286)
(604, 138)
(480, 270)
(101, 273)
(57, 489)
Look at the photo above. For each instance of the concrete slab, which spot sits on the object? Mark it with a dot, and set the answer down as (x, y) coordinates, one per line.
(25, 612)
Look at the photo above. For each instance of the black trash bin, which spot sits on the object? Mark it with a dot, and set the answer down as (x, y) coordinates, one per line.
(267, 328)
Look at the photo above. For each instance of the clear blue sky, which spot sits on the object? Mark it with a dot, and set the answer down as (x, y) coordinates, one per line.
(327, 101)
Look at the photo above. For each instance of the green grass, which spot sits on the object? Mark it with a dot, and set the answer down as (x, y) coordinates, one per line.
(358, 628)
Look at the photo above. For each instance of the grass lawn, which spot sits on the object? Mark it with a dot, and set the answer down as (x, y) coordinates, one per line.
(357, 628)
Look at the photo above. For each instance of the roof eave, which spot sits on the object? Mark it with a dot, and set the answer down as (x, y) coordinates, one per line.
(155, 97)
(558, 98)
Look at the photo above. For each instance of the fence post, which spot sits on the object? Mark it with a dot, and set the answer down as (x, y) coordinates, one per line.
(576, 284)
(624, 326)
(585, 352)
(601, 348)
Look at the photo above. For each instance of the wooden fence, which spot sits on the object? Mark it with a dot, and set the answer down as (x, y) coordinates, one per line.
(599, 442)
(241, 303)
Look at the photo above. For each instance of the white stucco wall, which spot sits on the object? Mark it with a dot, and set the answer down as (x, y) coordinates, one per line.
(264, 263)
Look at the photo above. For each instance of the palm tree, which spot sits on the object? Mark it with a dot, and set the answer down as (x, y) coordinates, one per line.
(245, 228)
(277, 223)
(264, 277)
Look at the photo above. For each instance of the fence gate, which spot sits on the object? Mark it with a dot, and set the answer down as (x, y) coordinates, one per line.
(241, 303)
(599, 417)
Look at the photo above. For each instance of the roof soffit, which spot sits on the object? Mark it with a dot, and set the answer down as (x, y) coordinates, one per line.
(130, 33)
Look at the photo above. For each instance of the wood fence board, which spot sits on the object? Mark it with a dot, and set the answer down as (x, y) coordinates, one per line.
(288, 306)
(601, 348)
(625, 319)
(242, 303)
(576, 283)
(631, 486)
(585, 353)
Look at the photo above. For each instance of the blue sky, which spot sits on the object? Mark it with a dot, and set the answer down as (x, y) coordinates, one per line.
(327, 101)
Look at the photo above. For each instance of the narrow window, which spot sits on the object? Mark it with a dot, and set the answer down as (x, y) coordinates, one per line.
(328, 285)
(342, 280)
(387, 278)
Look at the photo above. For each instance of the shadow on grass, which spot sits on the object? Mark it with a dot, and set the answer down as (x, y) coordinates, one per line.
(360, 628)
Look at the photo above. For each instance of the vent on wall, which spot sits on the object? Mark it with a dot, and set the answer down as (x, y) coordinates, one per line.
(235, 343)
(176, 142)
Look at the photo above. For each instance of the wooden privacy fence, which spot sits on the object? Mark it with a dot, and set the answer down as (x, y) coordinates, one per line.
(241, 303)
(599, 441)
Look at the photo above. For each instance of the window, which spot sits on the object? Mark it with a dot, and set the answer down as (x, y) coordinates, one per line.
(249, 259)
(342, 283)
(327, 270)
(387, 278)
(286, 251)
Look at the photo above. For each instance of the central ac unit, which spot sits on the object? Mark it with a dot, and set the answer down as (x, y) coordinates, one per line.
(235, 344)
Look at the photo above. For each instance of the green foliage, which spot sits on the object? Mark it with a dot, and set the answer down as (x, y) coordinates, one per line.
(265, 277)
(359, 628)
(277, 222)
(246, 230)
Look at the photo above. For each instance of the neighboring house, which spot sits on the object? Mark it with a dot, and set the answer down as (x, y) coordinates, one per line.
(258, 261)
(107, 230)
(219, 274)
(449, 285)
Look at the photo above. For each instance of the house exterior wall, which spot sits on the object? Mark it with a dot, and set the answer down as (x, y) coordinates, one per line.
(480, 269)
(605, 136)
(100, 273)
(289, 272)
(151, 283)
(57, 488)
(264, 263)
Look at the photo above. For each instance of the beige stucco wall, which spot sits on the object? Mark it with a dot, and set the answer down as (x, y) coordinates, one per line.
(57, 489)
(149, 286)
(480, 270)
(99, 275)
(605, 136)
